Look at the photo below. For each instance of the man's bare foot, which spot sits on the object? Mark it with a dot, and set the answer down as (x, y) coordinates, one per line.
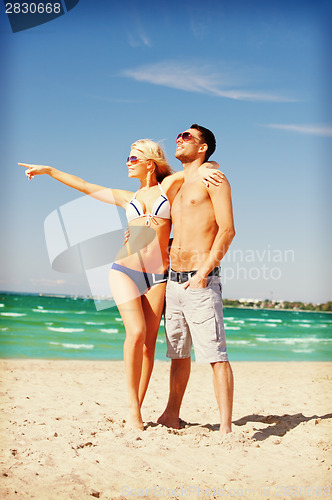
(169, 420)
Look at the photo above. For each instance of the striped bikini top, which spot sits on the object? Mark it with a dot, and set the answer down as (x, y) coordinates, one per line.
(161, 208)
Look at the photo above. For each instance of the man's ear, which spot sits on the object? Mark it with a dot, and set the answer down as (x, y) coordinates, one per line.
(203, 148)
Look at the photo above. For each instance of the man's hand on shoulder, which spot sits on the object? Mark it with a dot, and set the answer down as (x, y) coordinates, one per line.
(216, 188)
(210, 175)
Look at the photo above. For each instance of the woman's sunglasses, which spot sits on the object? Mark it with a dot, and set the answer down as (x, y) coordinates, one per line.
(134, 159)
(186, 136)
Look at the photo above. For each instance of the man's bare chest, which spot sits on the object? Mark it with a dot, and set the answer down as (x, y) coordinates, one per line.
(189, 199)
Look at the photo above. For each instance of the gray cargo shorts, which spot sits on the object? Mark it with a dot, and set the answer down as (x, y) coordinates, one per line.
(195, 316)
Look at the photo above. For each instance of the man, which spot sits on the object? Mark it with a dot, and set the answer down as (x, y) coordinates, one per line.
(203, 230)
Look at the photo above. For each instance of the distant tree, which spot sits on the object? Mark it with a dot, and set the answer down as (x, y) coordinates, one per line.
(310, 307)
(327, 307)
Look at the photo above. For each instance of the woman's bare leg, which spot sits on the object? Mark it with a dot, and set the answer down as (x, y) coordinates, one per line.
(134, 321)
(153, 305)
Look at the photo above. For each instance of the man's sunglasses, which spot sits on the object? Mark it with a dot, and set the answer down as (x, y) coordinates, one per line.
(186, 136)
(134, 159)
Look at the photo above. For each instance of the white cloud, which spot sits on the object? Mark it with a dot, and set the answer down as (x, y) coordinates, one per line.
(139, 38)
(199, 78)
(324, 130)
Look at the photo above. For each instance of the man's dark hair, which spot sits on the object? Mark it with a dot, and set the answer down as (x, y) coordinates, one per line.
(208, 138)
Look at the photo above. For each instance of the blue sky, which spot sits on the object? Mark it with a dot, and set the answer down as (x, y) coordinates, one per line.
(81, 88)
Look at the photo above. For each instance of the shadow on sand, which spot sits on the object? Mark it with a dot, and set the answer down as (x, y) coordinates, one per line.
(277, 425)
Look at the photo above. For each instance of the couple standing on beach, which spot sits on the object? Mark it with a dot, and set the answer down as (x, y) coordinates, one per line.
(198, 204)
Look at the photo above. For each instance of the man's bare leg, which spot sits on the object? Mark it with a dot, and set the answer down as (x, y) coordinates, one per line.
(179, 376)
(224, 388)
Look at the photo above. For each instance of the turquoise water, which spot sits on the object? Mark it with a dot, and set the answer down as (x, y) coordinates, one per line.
(34, 326)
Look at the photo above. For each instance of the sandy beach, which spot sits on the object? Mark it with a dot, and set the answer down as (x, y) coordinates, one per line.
(63, 435)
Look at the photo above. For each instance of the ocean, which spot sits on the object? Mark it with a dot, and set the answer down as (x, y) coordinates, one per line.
(50, 327)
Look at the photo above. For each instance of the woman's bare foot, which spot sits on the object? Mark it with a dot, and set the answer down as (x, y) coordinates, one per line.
(225, 430)
(135, 421)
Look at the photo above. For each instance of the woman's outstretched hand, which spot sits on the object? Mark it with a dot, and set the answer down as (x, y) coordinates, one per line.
(33, 170)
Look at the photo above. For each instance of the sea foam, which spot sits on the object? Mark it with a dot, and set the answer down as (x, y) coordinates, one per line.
(74, 346)
(65, 330)
(14, 315)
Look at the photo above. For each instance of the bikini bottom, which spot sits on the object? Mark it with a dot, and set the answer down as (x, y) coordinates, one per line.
(144, 281)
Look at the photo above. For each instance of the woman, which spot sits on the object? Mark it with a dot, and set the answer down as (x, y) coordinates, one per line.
(138, 275)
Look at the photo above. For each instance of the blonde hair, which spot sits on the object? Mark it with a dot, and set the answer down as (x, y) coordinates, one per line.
(153, 151)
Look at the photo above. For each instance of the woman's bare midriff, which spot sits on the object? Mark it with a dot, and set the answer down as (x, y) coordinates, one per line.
(147, 247)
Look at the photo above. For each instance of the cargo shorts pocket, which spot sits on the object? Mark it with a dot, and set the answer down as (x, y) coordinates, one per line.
(173, 325)
(171, 318)
(203, 313)
(200, 317)
(178, 337)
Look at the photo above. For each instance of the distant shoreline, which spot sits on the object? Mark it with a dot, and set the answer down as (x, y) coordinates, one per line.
(275, 309)
(274, 306)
